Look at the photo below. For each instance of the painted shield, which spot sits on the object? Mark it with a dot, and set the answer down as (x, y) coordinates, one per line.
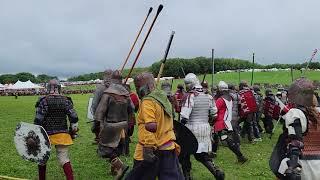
(271, 109)
(185, 138)
(247, 103)
(32, 142)
(89, 112)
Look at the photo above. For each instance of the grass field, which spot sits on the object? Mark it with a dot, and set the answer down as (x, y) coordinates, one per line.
(87, 165)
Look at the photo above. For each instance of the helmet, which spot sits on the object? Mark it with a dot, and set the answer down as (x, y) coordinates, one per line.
(180, 86)
(268, 92)
(243, 84)
(301, 92)
(191, 80)
(256, 88)
(53, 87)
(144, 84)
(223, 86)
(166, 87)
(111, 76)
(204, 84)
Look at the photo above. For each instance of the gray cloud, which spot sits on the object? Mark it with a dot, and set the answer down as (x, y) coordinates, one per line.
(66, 38)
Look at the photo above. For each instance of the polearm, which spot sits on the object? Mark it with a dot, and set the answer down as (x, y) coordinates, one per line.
(212, 58)
(291, 69)
(184, 74)
(204, 78)
(312, 57)
(165, 57)
(252, 69)
(144, 42)
(135, 41)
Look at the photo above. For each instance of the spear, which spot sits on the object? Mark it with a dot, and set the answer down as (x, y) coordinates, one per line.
(135, 41)
(312, 57)
(144, 42)
(212, 58)
(252, 69)
(165, 57)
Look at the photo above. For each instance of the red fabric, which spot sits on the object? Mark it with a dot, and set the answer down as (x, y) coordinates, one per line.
(68, 171)
(219, 124)
(135, 99)
(271, 109)
(247, 102)
(179, 96)
(42, 172)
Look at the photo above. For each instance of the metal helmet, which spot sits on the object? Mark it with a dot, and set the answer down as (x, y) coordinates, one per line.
(301, 92)
(53, 87)
(223, 86)
(243, 84)
(144, 84)
(166, 87)
(191, 80)
(256, 88)
(231, 87)
(204, 84)
(180, 87)
(268, 92)
(111, 76)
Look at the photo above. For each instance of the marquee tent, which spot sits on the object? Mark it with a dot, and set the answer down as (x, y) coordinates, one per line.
(24, 85)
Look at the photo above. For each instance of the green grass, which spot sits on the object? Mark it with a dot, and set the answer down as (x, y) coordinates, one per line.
(87, 165)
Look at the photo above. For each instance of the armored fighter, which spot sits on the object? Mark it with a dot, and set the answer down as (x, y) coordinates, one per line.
(197, 111)
(297, 152)
(112, 113)
(52, 111)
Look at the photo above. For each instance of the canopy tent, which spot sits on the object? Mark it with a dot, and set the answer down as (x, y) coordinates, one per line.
(2, 87)
(24, 85)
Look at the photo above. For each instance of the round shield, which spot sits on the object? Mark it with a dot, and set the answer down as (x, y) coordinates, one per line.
(32, 142)
(185, 138)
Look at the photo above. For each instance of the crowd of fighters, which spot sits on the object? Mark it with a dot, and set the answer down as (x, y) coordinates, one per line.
(213, 116)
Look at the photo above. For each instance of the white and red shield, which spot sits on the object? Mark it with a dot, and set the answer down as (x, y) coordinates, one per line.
(271, 109)
(247, 103)
(32, 142)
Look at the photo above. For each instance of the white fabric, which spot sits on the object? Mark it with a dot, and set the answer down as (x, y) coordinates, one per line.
(292, 115)
(202, 132)
(228, 114)
(186, 108)
(62, 154)
(310, 168)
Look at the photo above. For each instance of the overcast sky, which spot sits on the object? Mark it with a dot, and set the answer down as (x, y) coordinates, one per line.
(67, 38)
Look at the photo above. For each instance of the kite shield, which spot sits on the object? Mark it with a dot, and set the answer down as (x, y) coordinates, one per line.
(185, 138)
(89, 110)
(32, 142)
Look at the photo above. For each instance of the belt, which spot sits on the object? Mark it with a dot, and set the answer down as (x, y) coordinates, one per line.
(163, 146)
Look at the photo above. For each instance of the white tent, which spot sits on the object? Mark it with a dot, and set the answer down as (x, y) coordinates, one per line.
(24, 85)
(2, 87)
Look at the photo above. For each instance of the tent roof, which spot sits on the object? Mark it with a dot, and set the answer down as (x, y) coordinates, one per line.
(24, 85)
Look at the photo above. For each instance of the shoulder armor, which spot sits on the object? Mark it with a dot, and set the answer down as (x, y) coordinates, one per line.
(39, 100)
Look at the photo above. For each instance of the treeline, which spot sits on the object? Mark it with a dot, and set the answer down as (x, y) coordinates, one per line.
(25, 76)
(99, 75)
(175, 67)
(201, 65)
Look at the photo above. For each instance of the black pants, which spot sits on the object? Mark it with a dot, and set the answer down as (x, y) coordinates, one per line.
(268, 124)
(231, 139)
(165, 168)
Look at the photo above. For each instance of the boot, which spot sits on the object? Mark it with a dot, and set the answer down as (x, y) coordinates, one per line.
(218, 173)
(67, 168)
(187, 175)
(42, 172)
(118, 168)
(242, 159)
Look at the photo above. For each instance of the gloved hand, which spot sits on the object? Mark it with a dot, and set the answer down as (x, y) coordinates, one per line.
(293, 174)
(184, 121)
(148, 155)
(73, 130)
